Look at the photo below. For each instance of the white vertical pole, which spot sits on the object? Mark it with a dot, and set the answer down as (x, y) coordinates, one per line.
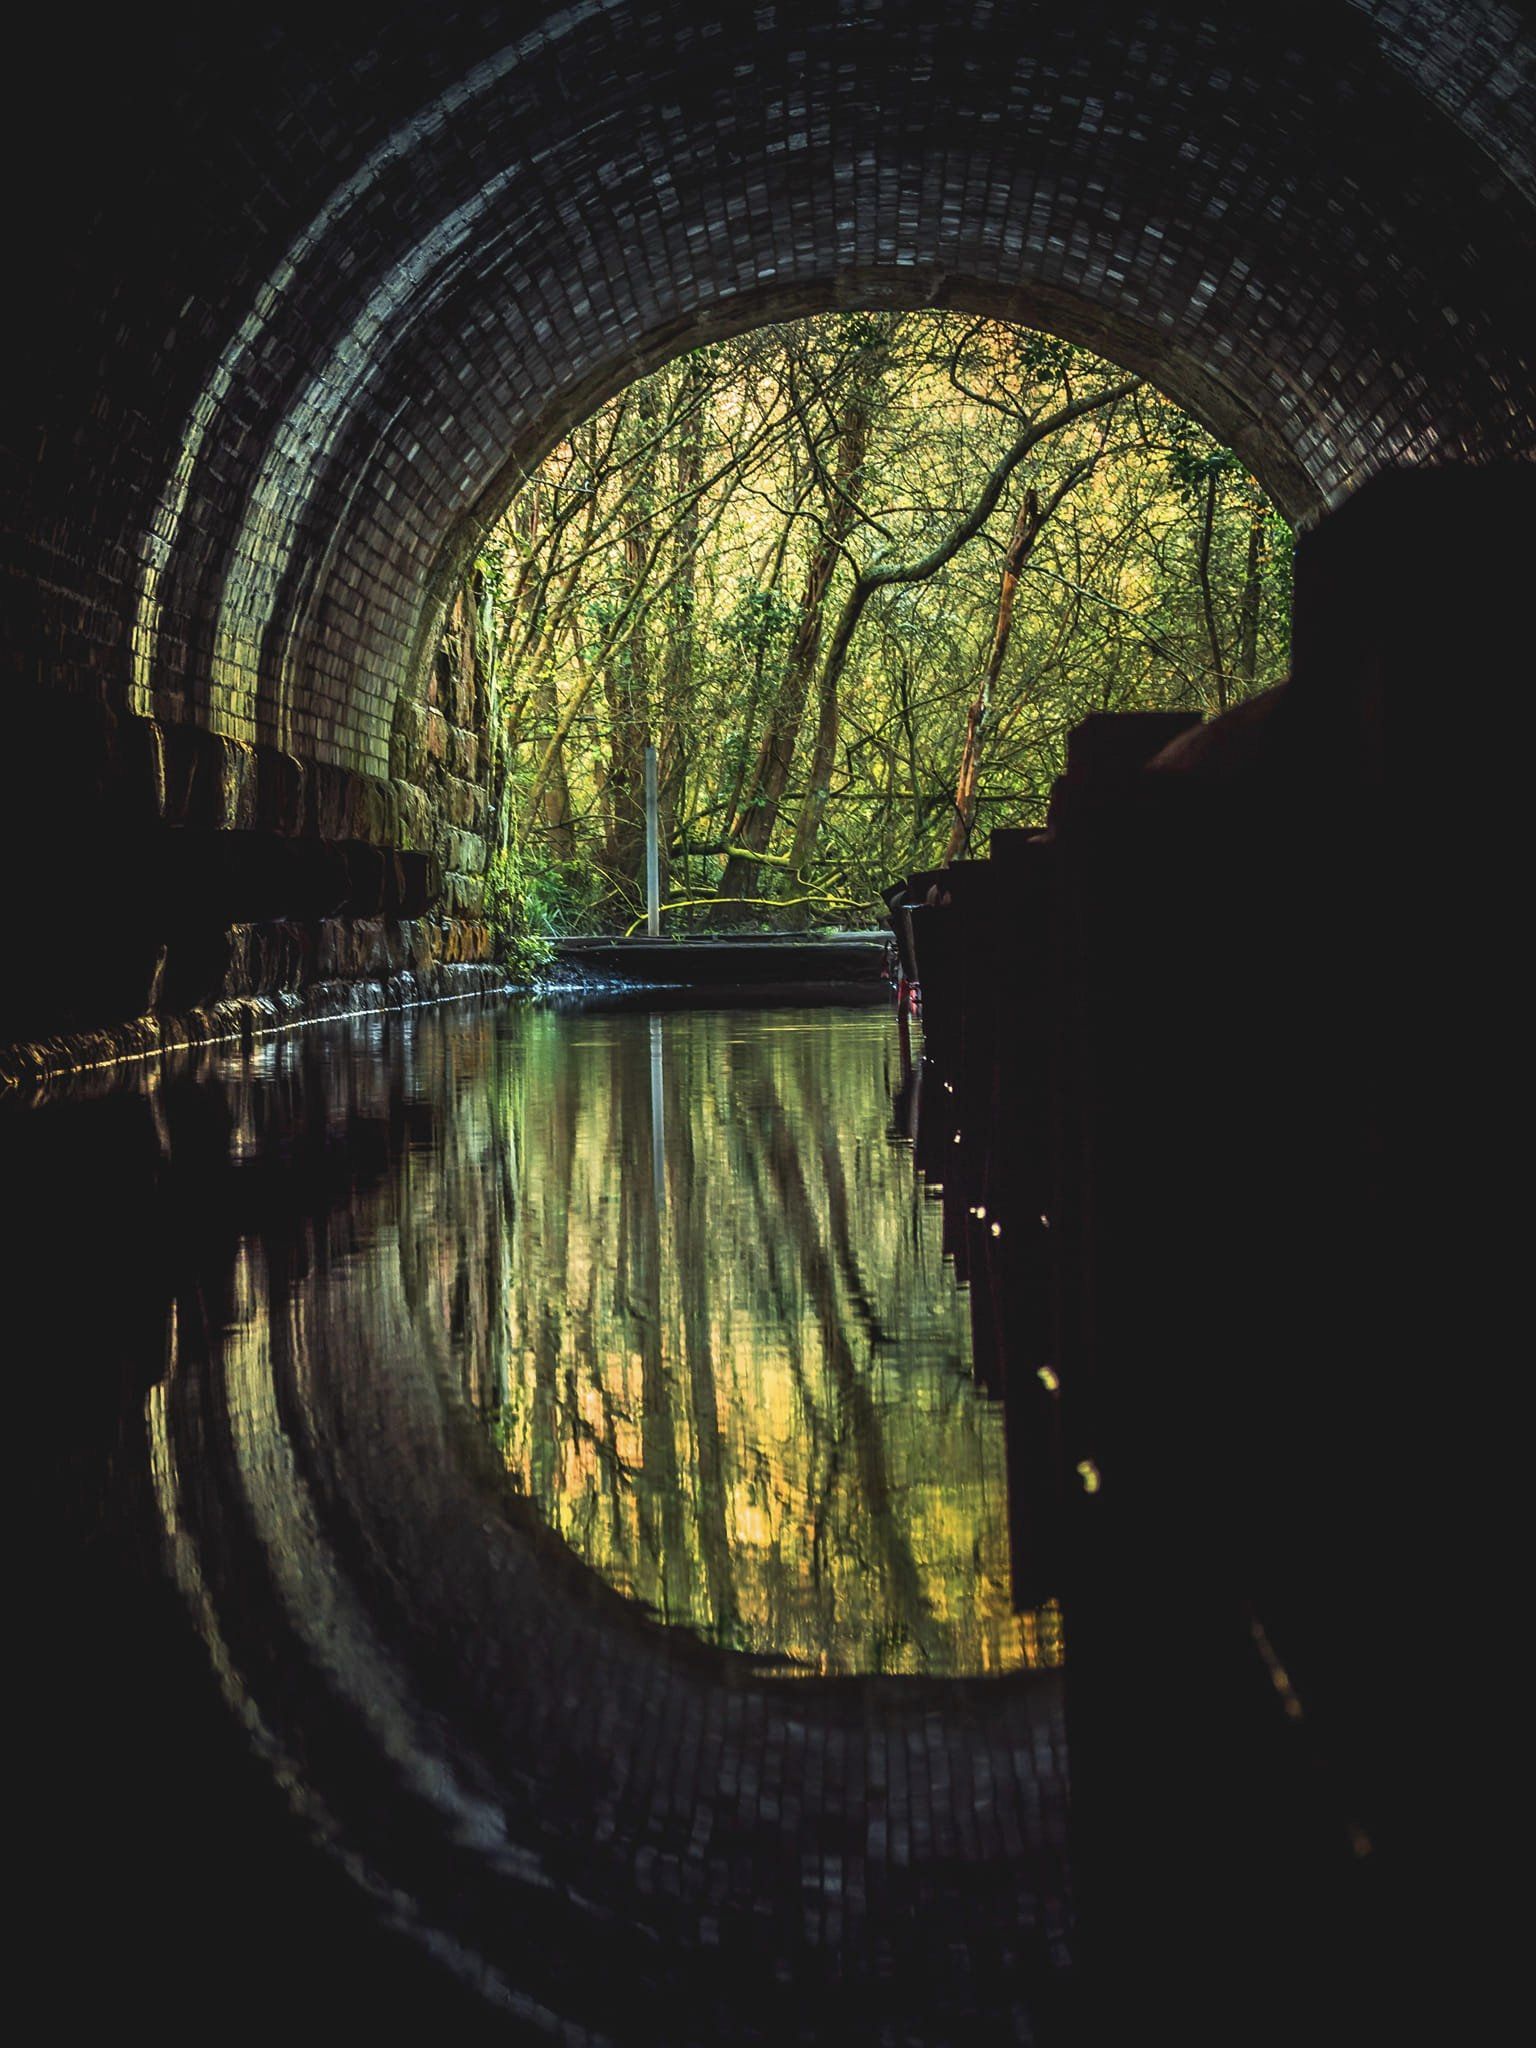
(658, 1140)
(652, 850)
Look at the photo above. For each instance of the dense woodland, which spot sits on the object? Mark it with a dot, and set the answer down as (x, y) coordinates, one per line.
(856, 578)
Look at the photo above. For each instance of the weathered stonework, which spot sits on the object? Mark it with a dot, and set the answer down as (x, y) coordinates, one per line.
(401, 966)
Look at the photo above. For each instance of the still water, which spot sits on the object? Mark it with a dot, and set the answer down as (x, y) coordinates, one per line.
(733, 1370)
(517, 1482)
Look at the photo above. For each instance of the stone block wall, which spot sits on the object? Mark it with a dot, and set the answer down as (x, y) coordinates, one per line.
(439, 759)
(184, 885)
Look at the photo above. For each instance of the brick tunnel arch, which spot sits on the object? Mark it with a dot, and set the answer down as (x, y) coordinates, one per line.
(317, 336)
(300, 323)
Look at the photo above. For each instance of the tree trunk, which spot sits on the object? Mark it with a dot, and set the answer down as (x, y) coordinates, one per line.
(626, 677)
(764, 795)
(673, 723)
(547, 623)
(1207, 603)
(1248, 611)
(555, 800)
(886, 575)
(1025, 528)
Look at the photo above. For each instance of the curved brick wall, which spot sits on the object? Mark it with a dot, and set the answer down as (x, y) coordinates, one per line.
(301, 322)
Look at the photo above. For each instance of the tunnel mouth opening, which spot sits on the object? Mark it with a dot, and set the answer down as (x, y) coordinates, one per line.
(758, 555)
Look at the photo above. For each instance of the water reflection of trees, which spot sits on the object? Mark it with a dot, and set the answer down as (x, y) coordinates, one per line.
(737, 1378)
(352, 1239)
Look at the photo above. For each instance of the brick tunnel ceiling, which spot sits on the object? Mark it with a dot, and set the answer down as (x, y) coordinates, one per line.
(328, 320)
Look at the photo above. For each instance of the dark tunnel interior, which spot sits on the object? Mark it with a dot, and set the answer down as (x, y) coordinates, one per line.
(300, 293)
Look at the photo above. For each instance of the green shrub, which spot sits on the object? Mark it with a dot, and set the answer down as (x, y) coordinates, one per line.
(532, 901)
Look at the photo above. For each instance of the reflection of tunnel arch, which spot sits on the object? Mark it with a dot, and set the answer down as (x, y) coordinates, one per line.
(343, 309)
(608, 1829)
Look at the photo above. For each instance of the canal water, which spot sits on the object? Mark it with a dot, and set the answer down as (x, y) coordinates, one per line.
(526, 1492)
(732, 1369)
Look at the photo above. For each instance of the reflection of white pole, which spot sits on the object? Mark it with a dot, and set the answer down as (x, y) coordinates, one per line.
(652, 850)
(658, 1150)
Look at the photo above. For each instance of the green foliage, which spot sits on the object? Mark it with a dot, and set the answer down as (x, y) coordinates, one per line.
(532, 900)
(659, 575)
(758, 620)
(1193, 467)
